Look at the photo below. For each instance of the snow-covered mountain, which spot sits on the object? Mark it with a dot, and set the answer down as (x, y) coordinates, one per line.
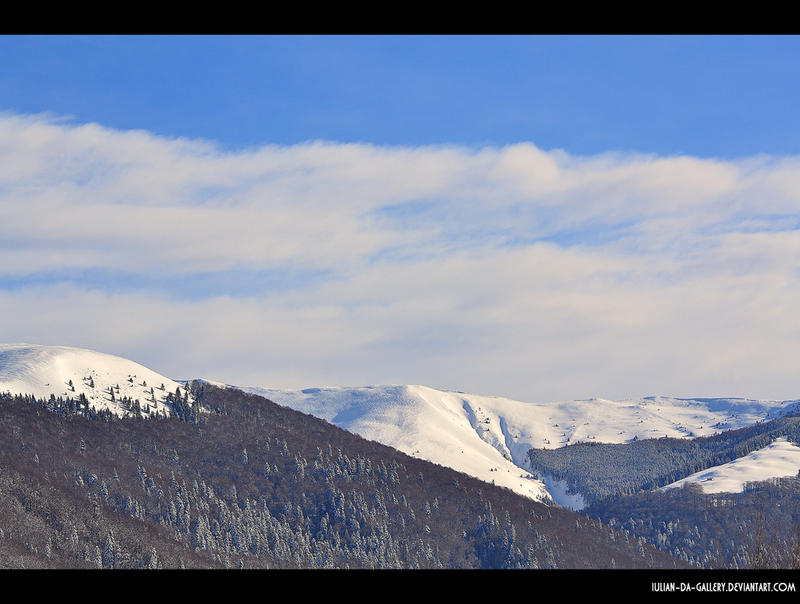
(489, 436)
(69, 372)
(779, 459)
(485, 436)
(446, 428)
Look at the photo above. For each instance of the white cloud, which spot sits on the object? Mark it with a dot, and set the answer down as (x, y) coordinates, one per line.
(513, 271)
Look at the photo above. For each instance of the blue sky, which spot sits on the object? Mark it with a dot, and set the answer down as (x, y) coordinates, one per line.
(537, 217)
(727, 96)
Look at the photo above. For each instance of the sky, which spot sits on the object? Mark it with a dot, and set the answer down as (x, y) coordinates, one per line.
(539, 217)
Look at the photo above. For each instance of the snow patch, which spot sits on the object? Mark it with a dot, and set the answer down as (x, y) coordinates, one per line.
(561, 494)
(778, 460)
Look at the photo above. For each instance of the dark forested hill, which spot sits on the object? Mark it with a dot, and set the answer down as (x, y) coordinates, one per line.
(757, 528)
(247, 483)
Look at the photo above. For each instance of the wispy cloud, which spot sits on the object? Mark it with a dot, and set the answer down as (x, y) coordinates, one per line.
(508, 270)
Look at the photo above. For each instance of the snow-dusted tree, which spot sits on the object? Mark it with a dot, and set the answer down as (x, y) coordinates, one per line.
(152, 559)
(110, 551)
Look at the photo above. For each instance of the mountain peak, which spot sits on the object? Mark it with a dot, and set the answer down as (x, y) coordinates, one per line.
(107, 381)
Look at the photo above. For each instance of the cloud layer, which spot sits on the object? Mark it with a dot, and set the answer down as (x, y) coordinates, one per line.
(516, 271)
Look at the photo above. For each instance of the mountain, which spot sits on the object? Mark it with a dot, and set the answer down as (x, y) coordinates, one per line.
(251, 484)
(490, 437)
(379, 476)
(108, 382)
(443, 427)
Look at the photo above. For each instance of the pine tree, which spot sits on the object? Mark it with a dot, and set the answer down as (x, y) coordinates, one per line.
(152, 560)
(110, 554)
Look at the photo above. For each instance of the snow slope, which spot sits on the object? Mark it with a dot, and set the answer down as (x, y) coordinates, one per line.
(45, 370)
(489, 437)
(423, 422)
(777, 460)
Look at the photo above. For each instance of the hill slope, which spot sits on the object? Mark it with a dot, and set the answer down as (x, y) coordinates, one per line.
(779, 459)
(107, 381)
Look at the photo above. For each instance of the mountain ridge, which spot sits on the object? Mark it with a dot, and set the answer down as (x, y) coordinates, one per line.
(488, 437)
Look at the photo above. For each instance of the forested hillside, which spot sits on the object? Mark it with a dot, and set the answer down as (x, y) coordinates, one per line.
(757, 528)
(599, 471)
(233, 480)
